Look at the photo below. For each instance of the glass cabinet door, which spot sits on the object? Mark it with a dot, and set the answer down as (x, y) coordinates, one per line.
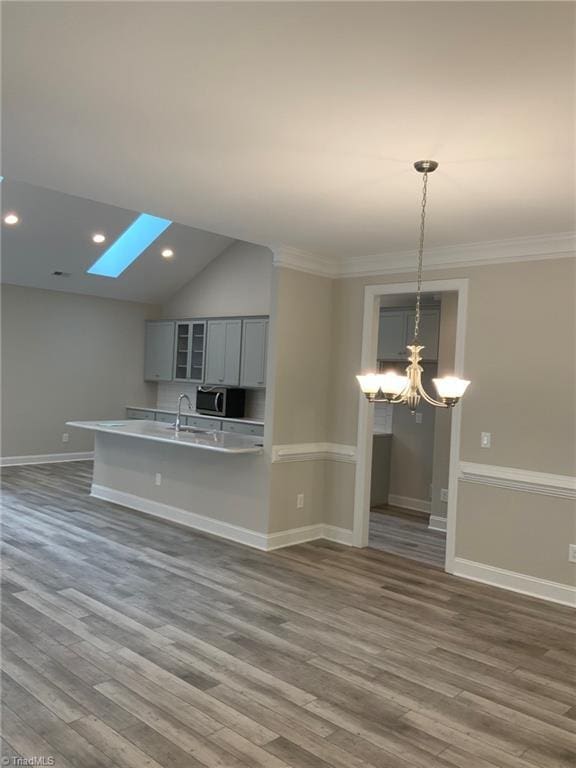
(189, 352)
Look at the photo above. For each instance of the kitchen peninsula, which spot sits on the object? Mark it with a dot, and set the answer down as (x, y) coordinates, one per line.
(207, 479)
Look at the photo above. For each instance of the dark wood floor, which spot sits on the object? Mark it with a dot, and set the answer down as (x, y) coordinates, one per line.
(128, 642)
(403, 533)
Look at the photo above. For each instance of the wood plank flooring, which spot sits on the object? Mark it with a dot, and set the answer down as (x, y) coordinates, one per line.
(129, 642)
(408, 535)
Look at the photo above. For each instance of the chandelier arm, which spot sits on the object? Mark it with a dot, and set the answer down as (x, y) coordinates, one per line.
(431, 400)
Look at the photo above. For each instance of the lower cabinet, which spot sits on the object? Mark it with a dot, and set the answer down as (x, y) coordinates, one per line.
(243, 429)
(134, 413)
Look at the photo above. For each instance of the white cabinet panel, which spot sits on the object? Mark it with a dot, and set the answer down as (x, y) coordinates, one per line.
(392, 335)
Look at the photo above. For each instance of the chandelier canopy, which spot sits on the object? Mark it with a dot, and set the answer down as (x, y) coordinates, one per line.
(391, 387)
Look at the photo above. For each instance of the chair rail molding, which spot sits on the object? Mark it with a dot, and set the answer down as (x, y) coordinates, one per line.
(314, 452)
(563, 486)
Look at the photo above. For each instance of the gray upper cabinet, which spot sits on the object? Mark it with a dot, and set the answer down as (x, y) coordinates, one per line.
(392, 334)
(254, 346)
(428, 333)
(189, 351)
(159, 350)
(396, 331)
(223, 347)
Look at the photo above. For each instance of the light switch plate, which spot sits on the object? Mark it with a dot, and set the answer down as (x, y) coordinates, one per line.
(572, 553)
(485, 439)
(418, 418)
(158, 478)
(444, 494)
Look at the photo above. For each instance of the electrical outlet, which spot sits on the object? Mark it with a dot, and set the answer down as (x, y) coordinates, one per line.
(444, 494)
(572, 553)
(65, 437)
(158, 478)
(485, 439)
(300, 501)
(418, 418)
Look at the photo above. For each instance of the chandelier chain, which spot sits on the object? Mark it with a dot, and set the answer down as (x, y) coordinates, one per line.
(420, 255)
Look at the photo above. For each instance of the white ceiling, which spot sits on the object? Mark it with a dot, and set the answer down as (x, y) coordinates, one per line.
(297, 123)
(55, 232)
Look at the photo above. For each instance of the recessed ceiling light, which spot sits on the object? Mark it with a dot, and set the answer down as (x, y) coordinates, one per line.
(98, 237)
(167, 253)
(11, 218)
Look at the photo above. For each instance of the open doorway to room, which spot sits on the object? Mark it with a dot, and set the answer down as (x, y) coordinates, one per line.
(410, 451)
(406, 495)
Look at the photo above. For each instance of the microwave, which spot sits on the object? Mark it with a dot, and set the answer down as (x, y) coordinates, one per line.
(220, 401)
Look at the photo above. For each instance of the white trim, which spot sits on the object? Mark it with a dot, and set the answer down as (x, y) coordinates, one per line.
(557, 245)
(312, 263)
(437, 523)
(372, 294)
(527, 480)
(308, 533)
(542, 247)
(406, 502)
(516, 582)
(45, 458)
(313, 452)
(262, 541)
(339, 535)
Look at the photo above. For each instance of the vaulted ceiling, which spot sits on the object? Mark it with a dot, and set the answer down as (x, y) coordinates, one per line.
(297, 122)
(55, 235)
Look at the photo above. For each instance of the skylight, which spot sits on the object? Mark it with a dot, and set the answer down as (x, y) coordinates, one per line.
(131, 243)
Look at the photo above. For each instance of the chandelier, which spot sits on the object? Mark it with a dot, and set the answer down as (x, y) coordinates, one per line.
(390, 387)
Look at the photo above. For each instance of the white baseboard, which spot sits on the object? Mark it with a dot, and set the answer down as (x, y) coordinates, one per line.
(515, 582)
(45, 458)
(262, 541)
(437, 523)
(419, 505)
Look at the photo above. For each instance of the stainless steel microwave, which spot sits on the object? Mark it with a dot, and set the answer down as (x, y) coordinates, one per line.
(220, 401)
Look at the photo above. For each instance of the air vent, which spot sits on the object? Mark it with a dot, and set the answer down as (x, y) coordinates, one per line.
(59, 273)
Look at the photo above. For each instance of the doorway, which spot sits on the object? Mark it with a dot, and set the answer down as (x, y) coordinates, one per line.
(376, 296)
(410, 450)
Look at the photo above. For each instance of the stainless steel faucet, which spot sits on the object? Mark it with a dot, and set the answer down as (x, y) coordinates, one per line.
(178, 424)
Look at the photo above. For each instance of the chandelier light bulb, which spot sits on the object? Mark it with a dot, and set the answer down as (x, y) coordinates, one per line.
(450, 387)
(392, 383)
(98, 237)
(369, 383)
(11, 218)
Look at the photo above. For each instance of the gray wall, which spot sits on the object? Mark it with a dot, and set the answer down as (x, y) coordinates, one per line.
(238, 282)
(64, 357)
(520, 355)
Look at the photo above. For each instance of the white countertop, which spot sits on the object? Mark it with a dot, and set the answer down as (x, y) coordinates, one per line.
(153, 408)
(381, 433)
(221, 442)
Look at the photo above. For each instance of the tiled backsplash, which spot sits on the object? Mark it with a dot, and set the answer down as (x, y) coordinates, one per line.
(167, 398)
(383, 417)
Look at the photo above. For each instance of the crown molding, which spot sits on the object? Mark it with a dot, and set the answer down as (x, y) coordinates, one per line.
(541, 247)
(538, 248)
(303, 261)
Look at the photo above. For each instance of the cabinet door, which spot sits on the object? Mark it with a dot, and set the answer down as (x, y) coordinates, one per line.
(392, 334)
(233, 342)
(189, 351)
(223, 340)
(159, 350)
(215, 351)
(254, 345)
(182, 351)
(428, 334)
